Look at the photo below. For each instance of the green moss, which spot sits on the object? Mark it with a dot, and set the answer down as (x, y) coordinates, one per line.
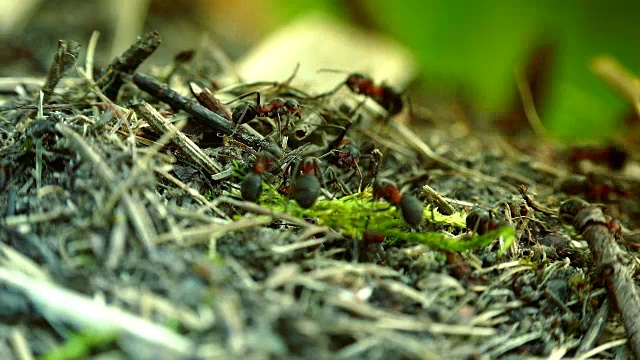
(80, 345)
(358, 213)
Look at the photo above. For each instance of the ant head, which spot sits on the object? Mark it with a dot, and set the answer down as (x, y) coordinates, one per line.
(357, 81)
(293, 107)
(291, 104)
(243, 112)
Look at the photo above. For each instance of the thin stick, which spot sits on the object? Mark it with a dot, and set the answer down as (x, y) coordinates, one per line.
(128, 62)
(20, 345)
(188, 147)
(614, 264)
(442, 204)
(200, 113)
(529, 107)
(91, 53)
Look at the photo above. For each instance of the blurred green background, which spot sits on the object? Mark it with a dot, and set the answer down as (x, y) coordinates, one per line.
(474, 47)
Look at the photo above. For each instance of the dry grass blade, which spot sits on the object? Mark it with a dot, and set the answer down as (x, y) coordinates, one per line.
(619, 79)
(188, 147)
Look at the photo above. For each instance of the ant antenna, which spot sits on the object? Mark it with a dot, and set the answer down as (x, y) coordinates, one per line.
(335, 71)
(288, 81)
(257, 93)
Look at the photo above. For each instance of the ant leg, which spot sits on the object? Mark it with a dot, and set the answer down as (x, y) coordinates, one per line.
(328, 93)
(318, 170)
(279, 128)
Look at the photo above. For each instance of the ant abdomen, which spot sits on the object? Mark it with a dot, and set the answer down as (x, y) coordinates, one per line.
(306, 190)
(243, 113)
(251, 187)
(481, 221)
(412, 210)
(390, 100)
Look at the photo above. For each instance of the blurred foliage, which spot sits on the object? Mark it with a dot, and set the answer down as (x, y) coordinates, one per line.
(474, 47)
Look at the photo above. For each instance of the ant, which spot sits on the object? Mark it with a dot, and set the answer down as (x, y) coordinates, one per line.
(251, 185)
(613, 156)
(383, 94)
(306, 186)
(343, 150)
(411, 208)
(594, 187)
(274, 109)
(481, 221)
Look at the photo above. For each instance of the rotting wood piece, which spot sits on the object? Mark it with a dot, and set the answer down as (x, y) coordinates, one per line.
(65, 57)
(614, 264)
(128, 62)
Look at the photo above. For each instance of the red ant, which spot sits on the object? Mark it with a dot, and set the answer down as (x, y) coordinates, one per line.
(370, 237)
(614, 156)
(411, 208)
(251, 185)
(383, 94)
(593, 187)
(275, 108)
(306, 186)
(343, 150)
(481, 221)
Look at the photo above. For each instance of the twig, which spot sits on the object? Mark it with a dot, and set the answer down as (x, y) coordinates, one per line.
(191, 191)
(117, 240)
(533, 204)
(595, 351)
(198, 234)
(304, 244)
(188, 147)
(442, 204)
(612, 261)
(200, 113)
(65, 57)
(128, 62)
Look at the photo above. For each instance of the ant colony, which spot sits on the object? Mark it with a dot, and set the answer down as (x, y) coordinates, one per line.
(337, 159)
